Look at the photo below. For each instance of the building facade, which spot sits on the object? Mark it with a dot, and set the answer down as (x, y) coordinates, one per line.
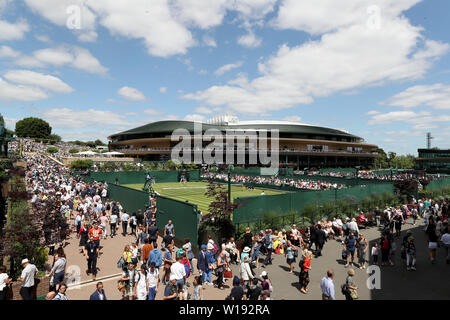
(433, 160)
(299, 145)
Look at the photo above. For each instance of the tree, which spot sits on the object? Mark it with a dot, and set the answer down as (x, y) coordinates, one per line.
(52, 150)
(81, 164)
(33, 128)
(98, 142)
(74, 150)
(54, 137)
(382, 160)
(404, 162)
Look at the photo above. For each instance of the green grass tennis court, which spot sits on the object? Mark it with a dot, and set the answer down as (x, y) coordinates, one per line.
(194, 192)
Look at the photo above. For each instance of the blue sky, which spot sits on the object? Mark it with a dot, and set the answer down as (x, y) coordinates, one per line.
(376, 68)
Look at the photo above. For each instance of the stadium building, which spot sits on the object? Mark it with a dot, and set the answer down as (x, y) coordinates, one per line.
(433, 160)
(300, 145)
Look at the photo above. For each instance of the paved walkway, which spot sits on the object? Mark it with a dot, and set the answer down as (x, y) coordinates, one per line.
(428, 282)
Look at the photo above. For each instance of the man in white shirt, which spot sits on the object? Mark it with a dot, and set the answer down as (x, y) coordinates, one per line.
(27, 278)
(153, 280)
(179, 272)
(125, 217)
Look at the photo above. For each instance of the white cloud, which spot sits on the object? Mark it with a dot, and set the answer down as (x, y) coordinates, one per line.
(45, 81)
(90, 36)
(292, 118)
(8, 52)
(254, 9)
(227, 68)
(151, 21)
(13, 31)
(131, 94)
(73, 56)
(322, 16)
(163, 25)
(10, 123)
(195, 117)
(209, 41)
(372, 112)
(436, 96)
(153, 112)
(43, 38)
(350, 58)
(163, 89)
(249, 40)
(59, 13)
(85, 61)
(66, 118)
(422, 119)
(203, 110)
(200, 13)
(10, 91)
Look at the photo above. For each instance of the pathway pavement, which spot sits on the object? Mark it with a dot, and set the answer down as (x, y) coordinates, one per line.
(428, 282)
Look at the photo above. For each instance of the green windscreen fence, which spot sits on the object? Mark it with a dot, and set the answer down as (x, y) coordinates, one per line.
(335, 170)
(136, 177)
(183, 215)
(438, 184)
(254, 208)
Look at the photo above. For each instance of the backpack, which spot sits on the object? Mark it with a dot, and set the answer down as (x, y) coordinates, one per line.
(187, 269)
(215, 249)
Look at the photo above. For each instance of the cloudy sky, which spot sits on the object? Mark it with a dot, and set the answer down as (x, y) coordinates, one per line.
(376, 68)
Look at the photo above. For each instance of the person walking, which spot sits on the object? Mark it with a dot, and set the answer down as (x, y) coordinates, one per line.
(29, 272)
(91, 251)
(377, 216)
(198, 289)
(153, 234)
(321, 237)
(268, 243)
(410, 250)
(141, 288)
(201, 263)
(362, 246)
(113, 223)
(58, 272)
(99, 293)
(125, 217)
(5, 281)
(291, 252)
(350, 247)
(350, 288)
(153, 281)
(327, 286)
(432, 239)
(385, 246)
(305, 266)
(222, 263)
(246, 272)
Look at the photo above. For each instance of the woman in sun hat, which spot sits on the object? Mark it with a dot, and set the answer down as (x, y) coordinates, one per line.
(267, 284)
(246, 272)
(245, 253)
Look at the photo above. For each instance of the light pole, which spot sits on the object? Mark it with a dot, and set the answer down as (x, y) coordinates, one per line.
(230, 167)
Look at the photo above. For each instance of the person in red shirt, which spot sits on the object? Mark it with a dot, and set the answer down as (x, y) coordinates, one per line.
(304, 273)
(96, 233)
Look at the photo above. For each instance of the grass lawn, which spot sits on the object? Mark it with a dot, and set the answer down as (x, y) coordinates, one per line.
(194, 192)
